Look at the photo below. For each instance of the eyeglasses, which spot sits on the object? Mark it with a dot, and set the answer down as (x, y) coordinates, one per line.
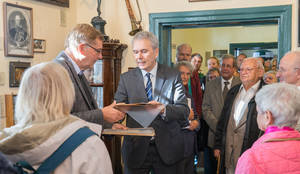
(99, 50)
(247, 69)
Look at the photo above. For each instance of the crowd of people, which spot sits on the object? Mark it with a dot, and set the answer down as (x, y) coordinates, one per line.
(237, 114)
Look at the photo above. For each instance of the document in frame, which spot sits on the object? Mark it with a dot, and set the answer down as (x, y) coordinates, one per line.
(143, 113)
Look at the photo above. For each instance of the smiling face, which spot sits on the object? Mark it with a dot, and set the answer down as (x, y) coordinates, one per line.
(227, 68)
(185, 74)
(196, 62)
(145, 56)
(250, 73)
(212, 63)
(184, 53)
(270, 78)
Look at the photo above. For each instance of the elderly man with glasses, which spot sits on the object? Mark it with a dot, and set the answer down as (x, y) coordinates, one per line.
(83, 47)
(289, 71)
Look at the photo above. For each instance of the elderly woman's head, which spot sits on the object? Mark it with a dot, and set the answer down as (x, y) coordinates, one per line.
(270, 77)
(185, 68)
(278, 105)
(46, 94)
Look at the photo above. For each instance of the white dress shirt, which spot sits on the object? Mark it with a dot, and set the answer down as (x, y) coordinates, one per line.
(152, 77)
(229, 84)
(242, 101)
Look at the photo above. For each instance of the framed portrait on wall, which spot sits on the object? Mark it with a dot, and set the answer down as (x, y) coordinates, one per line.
(39, 45)
(18, 34)
(16, 70)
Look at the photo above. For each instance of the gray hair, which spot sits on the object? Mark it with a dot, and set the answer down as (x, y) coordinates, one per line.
(282, 100)
(258, 63)
(82, 33)
(146, 35)
(46, 94)
(229, 56)
(179, 47)
(186, 64)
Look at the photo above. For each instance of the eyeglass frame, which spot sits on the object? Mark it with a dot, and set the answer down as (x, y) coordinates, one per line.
(99, 51)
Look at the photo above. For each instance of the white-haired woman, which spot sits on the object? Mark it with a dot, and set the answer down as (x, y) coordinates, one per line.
(43, 123)
(278, 150)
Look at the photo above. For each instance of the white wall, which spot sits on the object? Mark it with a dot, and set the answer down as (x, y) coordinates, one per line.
(46, 25)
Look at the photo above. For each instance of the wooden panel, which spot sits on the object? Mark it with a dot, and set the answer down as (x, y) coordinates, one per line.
(9, 108)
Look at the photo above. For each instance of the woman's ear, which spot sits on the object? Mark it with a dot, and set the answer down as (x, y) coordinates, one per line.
(269, 118)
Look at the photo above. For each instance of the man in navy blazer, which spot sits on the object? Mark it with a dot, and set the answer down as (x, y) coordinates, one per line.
(163, 152)
(83, 48)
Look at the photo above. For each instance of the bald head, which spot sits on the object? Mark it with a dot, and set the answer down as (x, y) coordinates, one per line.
(289, 68)
(184, 52)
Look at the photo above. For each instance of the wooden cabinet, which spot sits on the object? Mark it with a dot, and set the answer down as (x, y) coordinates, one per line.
(104, 90)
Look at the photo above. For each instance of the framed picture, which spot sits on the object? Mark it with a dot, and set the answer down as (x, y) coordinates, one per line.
(62, 3)
(18, 40)
(39, 46)
(10, 103)
(16, 70)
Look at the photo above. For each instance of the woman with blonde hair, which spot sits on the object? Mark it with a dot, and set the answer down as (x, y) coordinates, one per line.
(44, 123)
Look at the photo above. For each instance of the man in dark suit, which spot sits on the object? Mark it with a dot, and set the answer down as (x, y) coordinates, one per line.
(237, 127)
(163, 152)
(83, 48)
(213, 103)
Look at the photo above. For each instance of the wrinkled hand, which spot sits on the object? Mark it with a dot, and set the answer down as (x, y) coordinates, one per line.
(112, 115)
(193, 125)
(119, 126)
(155, 102)
(217, 153)
(191, 116)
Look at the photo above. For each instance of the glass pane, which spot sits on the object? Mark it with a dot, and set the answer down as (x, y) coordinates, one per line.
(98, 95)
(97, 74)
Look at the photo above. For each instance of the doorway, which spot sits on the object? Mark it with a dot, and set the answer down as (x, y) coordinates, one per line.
(161, 24)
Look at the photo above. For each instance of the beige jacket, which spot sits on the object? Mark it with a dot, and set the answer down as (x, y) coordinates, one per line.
(36, 143)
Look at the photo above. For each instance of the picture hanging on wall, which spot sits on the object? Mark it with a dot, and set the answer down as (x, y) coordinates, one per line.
(18, 35)
(39, 45)
(16, 70)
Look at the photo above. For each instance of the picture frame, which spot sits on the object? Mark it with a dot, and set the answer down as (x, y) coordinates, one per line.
(39, 45)
(219, 53)
(10, 103)
(61, 3)
(16, 70)
(18, 34)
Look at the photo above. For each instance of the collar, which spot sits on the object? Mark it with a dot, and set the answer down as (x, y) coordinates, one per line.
(253, 88)
(152, 72)
(230, 80)
(275, 129)
(76, 67)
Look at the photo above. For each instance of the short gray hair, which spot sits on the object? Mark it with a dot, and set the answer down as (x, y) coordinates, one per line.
(146, 35)
(82, 33)
(186, 64)
(46, 94)
(282, 100)
(229, 56)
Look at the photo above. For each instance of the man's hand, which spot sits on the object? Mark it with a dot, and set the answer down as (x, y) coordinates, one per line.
(155, 103)
(112, 115)
(217, 153)
(193, 125)
(119, 126)
(191, 116)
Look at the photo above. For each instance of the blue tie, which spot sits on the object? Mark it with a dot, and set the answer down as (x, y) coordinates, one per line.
(149, 88)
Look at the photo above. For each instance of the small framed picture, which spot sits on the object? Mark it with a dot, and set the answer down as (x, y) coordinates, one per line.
(39, 46)
(18, 40)
(16, 70)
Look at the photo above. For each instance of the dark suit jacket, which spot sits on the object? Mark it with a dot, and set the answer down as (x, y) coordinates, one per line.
(169, 137)
(252, 131)
(85, 106)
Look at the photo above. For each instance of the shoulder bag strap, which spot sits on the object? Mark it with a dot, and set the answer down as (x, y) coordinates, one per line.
(51, 163)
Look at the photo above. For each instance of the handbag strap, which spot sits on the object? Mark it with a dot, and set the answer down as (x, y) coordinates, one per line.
(52, 162)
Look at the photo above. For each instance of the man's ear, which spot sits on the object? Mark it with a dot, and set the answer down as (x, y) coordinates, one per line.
(81, 48)
(156, 52)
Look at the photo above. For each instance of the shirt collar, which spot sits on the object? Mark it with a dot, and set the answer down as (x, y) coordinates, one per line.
(253, 88)
(230, 80)
(76, 67)
(152, 72)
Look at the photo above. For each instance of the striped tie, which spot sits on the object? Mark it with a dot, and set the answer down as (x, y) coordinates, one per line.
(149, 88)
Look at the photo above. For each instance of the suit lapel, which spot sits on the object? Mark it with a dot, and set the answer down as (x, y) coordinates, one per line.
(160, 80)
(77, 81)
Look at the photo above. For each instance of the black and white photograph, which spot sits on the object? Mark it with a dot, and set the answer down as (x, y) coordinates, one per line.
(18, 40)
(39, 45)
